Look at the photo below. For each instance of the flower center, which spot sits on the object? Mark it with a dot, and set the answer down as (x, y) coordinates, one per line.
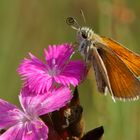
(53, 69)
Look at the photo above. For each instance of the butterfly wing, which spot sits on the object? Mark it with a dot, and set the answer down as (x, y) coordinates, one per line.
(131, 59)
(101, 84)
(123, 83)
(100, 71)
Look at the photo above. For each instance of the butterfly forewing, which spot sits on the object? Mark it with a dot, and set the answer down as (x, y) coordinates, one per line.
(124, 84)
(131, 59)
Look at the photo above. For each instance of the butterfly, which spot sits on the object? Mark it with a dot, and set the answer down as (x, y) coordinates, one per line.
(116, 67)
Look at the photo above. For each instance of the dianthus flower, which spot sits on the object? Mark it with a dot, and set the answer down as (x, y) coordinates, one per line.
(25, 124)
(57, 69)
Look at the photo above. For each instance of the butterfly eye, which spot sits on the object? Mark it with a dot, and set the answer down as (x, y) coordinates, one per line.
(70, 21)
(84, 35)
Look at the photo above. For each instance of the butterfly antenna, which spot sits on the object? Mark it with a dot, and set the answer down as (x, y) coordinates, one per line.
(73, 23)
(83, 16)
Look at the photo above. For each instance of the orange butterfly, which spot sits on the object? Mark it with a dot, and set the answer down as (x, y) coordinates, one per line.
(116, 68)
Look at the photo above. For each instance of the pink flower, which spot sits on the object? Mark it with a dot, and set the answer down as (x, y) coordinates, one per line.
(25, 124)
(57, 68)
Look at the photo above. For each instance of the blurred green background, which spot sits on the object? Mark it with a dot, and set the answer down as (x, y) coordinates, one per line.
(30, 25)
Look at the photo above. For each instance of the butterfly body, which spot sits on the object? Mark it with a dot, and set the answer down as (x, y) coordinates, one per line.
(116, 67)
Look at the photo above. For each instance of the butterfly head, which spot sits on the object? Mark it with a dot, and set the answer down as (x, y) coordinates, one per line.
(84, 33)
(84, 36)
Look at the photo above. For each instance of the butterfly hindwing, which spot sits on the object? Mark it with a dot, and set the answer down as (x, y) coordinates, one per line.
(100, 71)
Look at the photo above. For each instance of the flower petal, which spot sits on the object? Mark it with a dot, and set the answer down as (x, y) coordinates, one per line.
(34, 74)
(58, 54)
(34, 62)
(35, 130)
(44, 103)
(55, 100)
(30, 102)
(13, 133)
(9, 114)
(74, 72)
